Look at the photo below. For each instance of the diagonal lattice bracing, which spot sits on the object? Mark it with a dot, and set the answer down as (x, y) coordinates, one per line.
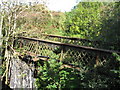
(78, 56)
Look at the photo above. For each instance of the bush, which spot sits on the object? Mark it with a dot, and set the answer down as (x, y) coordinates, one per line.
(52, 75)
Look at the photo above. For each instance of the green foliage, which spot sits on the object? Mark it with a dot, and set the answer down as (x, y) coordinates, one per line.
(106, 76)
(95, 20)
(52, 75)
(84, 20)
(49, 53)
(118, 70)
(117, 56)
(2, 68)
(110, 25)
(1, 71)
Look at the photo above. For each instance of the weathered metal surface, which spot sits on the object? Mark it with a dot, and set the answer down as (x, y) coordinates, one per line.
(80, 41)
(76, 55)
(70, 45)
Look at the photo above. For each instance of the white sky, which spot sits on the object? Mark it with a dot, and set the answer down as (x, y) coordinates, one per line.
(61, 5)
(56, 5)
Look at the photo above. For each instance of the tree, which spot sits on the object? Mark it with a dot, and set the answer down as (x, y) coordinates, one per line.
(1, 35)
(110, 30)
(9, 13)
(39, 19)
(84, 20)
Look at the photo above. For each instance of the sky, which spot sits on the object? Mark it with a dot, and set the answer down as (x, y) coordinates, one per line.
(56, 5)
(59, 5)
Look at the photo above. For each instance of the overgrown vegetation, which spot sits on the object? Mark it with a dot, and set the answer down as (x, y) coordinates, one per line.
(84, 20)
(53, 75)
(95, 20)
(90, 20)
(38, 19)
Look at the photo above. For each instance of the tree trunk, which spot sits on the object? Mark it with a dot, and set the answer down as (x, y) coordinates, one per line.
(1, 38)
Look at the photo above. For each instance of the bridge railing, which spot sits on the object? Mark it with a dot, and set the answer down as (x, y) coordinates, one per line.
(83, 42)
(79, 56)
(79, 41)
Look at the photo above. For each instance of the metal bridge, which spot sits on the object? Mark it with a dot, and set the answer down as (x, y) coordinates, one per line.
(76, 54)
(73, 51)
